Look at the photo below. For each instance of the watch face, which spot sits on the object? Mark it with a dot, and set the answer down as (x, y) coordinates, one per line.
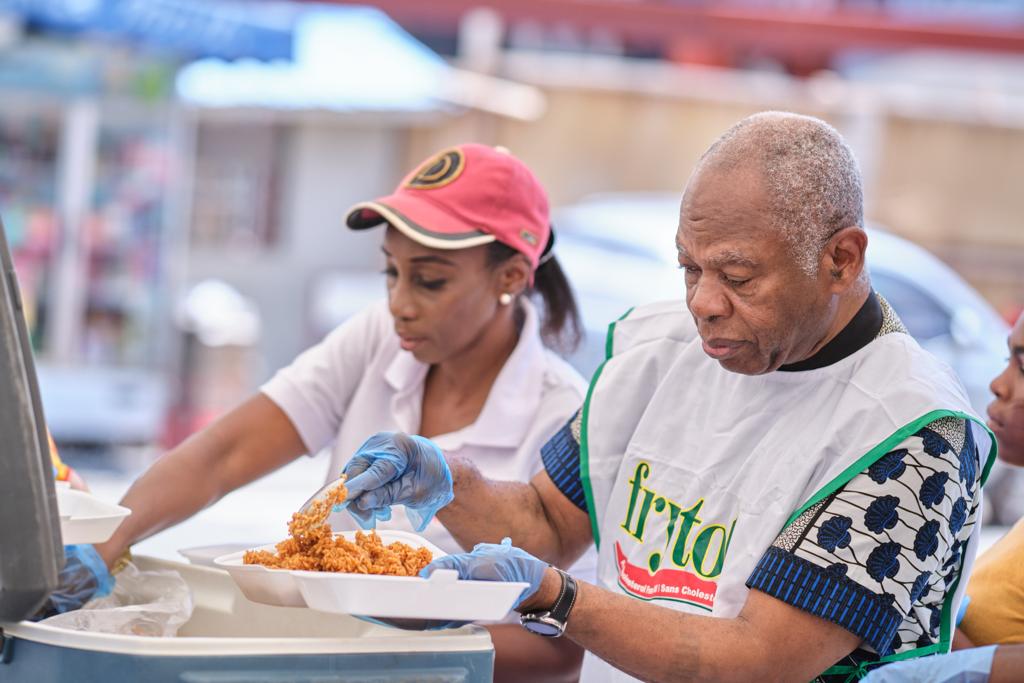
(542, 628)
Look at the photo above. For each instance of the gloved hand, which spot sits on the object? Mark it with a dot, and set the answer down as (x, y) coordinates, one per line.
(495, 562)
(85, 576)
(973, 664)
(392, 468)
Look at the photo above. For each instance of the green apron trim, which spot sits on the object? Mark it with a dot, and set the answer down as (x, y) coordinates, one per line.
(584, 440)
(881, 449)
(855, 673)
(585, 458)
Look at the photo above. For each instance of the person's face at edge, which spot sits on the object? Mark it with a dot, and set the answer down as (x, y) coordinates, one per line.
(754, 307)
(442, 301)
(1006, 412)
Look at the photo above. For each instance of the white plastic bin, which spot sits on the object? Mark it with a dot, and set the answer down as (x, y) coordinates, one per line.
(232, 640)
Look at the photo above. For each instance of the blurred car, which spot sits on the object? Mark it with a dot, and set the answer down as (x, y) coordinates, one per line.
(619, 250)
(101, 406)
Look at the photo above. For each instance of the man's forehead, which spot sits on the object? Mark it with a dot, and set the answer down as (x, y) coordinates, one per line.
(723, 218)
(727, 216)
(714, 186)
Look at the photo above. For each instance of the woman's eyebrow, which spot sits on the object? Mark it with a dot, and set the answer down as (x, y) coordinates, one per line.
(425, 259)
(433, 259)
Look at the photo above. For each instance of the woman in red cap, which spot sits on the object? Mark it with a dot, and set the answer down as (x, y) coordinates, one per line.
(458, 353)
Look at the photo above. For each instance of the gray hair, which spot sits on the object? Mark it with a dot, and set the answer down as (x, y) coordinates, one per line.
(811, 175)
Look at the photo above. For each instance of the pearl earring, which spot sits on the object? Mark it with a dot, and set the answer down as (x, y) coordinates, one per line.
(505, 299)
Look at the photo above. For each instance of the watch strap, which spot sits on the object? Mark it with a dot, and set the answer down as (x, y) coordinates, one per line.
(566, 597)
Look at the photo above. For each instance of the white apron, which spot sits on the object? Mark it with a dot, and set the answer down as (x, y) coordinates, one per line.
(691, 471)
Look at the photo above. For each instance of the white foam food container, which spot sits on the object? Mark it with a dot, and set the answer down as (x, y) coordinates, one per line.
(204, 555)
(442, 597)
(84, 518)
(262, 584)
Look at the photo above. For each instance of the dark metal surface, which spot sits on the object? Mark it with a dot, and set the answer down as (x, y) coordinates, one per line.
(30, 544)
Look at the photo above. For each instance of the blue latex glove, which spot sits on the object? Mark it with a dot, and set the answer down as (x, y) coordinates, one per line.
(495, 562)
(85, 576)
(963, 666)
(392, 468)
(487, 562)
(962, 612)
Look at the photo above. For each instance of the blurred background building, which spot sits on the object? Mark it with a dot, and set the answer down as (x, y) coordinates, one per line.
(174, 173)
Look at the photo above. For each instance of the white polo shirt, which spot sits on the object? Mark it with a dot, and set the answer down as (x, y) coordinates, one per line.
(359, 381)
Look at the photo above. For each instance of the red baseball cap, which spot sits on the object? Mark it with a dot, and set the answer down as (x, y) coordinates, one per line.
(464, 197)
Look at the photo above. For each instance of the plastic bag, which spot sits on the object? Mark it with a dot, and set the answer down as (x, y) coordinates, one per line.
(143, 603)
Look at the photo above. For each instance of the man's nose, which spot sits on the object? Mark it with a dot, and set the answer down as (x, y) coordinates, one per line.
(707, 301)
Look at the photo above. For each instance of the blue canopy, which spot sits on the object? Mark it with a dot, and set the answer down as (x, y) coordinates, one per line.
(346, 59)
(200, 28)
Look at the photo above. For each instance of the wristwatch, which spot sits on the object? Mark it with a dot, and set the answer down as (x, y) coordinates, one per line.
(551, 623)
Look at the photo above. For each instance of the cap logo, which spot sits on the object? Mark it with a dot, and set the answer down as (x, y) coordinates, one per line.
(528, 237)
(438, 171)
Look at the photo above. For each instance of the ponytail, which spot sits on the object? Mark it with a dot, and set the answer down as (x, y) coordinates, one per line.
(560, 327)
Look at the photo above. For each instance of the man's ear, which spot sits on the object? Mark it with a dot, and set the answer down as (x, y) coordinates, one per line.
(844, 257)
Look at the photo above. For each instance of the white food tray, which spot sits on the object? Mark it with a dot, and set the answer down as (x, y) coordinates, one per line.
(84, 518)
(204, 555)
(442, 597)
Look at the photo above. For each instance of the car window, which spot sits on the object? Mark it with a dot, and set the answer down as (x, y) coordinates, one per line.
(573, 235)
(920, 312)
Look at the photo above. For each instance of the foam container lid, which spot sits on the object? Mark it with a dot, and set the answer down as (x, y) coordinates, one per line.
(84, 518)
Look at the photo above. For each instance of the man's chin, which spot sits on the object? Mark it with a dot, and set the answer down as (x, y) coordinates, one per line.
(744, 365)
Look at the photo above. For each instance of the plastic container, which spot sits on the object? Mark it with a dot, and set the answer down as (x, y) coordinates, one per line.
(230, 639)
(84, 518)
(205, 555)
(442, 597)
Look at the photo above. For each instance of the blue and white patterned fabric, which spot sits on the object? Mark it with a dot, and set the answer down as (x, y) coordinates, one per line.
(561, 458)
(876, 556)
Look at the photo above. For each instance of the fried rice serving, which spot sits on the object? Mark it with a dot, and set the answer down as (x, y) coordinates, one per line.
(312, 546)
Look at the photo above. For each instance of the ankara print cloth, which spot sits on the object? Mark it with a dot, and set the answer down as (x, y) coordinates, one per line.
(877, 557)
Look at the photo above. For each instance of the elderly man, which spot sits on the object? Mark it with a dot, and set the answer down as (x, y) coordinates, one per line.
(782, 484)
